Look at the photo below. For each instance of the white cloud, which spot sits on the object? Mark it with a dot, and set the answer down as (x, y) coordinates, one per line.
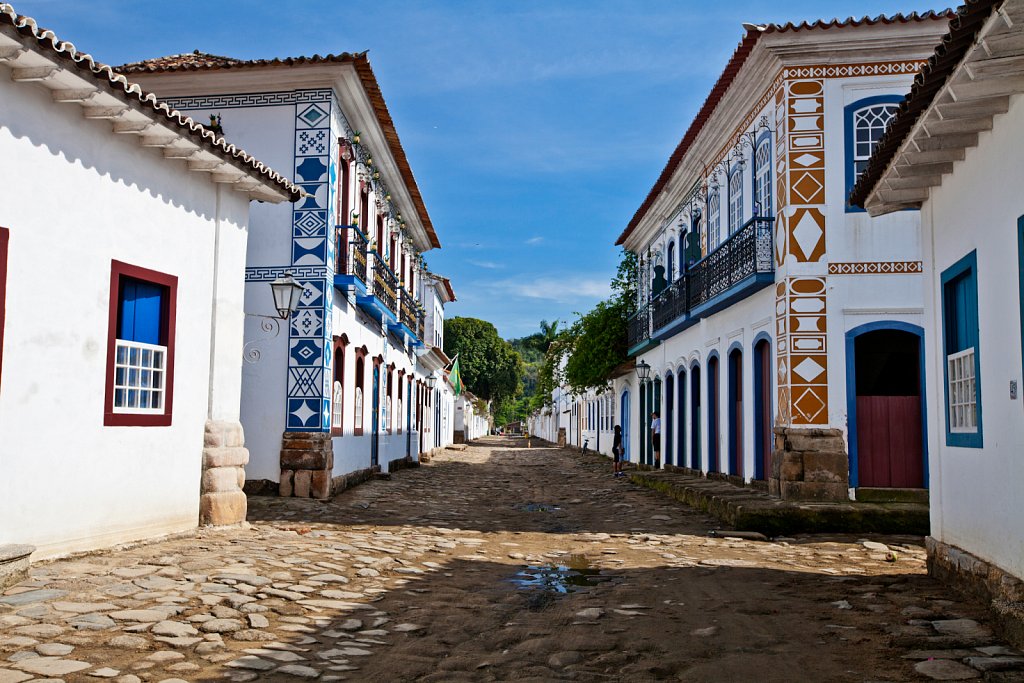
(567, 289)
(490, 265)
(535, 240)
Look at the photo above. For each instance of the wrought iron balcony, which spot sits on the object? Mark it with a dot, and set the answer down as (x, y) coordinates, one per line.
(410, 318)
(741, 265)
(385, 283)
(350, 266)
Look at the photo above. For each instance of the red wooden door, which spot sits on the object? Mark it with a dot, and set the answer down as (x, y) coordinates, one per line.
(890, 451)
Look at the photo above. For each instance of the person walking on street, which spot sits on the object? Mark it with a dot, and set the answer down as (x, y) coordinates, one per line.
(656, 438)
(617, 453)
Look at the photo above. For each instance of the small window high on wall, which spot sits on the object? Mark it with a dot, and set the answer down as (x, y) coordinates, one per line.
(140, 347)
(865, 123)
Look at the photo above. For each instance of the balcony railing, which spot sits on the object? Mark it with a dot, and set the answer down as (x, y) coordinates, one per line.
(385, 284)
(410, 314)
(352, 246)
(746, 253)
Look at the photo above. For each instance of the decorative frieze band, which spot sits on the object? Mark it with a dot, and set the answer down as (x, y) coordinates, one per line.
(271, 273)
(875, 267)
(260, 99)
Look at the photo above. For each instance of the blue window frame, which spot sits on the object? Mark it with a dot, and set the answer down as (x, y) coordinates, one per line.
(961, 353)
(140, 311)
(864, 122)
(671, 261)
(714, 227)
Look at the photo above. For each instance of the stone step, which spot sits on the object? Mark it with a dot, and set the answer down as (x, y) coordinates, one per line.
(14, 561)
(748, 509)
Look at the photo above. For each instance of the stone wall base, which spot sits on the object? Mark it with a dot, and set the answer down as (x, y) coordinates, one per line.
(982, 580)
(221, 499)
(402, 464)
(459, 436)
(307, 460)
(346, 481)
(14, 562)
(809, 464)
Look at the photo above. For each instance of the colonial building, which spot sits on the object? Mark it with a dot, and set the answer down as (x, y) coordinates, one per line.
(773, 316)
(339, 393)
(954, 150)
(119, 402)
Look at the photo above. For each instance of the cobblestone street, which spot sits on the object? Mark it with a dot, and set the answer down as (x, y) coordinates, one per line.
(494, 563)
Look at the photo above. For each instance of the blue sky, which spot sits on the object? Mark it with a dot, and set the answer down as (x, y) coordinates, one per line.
(534, 129)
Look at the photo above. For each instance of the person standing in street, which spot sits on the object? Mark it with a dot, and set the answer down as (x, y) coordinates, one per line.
(656, 439)
(617, 452)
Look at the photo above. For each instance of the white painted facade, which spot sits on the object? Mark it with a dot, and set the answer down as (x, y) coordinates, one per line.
(973, 490)
(79, 197)
(861, 271)
(315, 118)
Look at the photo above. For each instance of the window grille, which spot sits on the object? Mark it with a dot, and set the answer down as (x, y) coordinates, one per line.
(963, 397)
(868, 127)
(763, 180)
(337, 410)
(139, 377)
(735, 199)
(359, 408)
(714, 209)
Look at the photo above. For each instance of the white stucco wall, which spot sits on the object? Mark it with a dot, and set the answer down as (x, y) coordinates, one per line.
(975, 492)
(77, 196)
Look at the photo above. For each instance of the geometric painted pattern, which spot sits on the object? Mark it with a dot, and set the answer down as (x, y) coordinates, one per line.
(875, 268)
(309, 331)
(801, 300)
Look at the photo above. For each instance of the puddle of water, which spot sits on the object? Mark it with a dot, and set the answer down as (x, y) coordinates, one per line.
(576, 573)
(539, 507)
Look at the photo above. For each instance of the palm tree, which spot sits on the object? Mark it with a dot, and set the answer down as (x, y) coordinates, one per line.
(549, 332)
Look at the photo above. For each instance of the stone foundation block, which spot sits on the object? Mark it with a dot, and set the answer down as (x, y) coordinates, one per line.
(791, 466)
(223, 434)
(813, 490)
(320, 485)
(240, 473)
(829, 467)
(809, 442)
(226, 507)
(14, 562)
(225, 456)
(218, 479)
(306, 459)
(285, 487)
(303, 483)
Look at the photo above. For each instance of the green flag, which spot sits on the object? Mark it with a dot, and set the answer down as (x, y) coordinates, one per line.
(455, 377)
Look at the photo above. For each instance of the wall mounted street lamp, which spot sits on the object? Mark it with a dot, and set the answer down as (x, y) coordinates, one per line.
(286, 292)
(643, 372)
(431, 381)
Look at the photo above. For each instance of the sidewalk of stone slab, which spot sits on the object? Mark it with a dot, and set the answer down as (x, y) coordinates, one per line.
(747, 509)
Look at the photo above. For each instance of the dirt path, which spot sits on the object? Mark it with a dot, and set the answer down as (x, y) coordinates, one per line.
(496, 563)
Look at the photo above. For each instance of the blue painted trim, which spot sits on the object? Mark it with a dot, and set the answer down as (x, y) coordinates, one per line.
(851, 390)
(758, 397)
(624, 422)
(668, 433)
(376, 308)
(682, 387)
(848, 138)
(1020, 270)
(345, 282)
(731, 417)
(643, 346)
(728, 197)
(695, 430)
(714, 428)
(738, 292)
(968, 264)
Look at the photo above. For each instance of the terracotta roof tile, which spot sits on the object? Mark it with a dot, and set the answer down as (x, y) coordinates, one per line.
(84, 65)
(201, 61)
(735, 63)
(963, 30)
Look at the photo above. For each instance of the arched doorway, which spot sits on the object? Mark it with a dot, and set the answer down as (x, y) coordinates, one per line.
(763, 435)
(654, 401)
(624, 423)
(885, 401)
(669, 418)
(695, 416)
(681, 418)
(735, 414)
(714, 432)
(375, 419)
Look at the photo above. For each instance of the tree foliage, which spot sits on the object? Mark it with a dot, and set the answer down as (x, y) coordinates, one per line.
(599, 346)
(490, 367)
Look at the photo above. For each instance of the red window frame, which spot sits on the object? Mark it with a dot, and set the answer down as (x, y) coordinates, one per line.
(360, 382)
(399, 407)
(118, 270)
(388, 397)
(339, 376)
(5, 235)
(344, 180)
